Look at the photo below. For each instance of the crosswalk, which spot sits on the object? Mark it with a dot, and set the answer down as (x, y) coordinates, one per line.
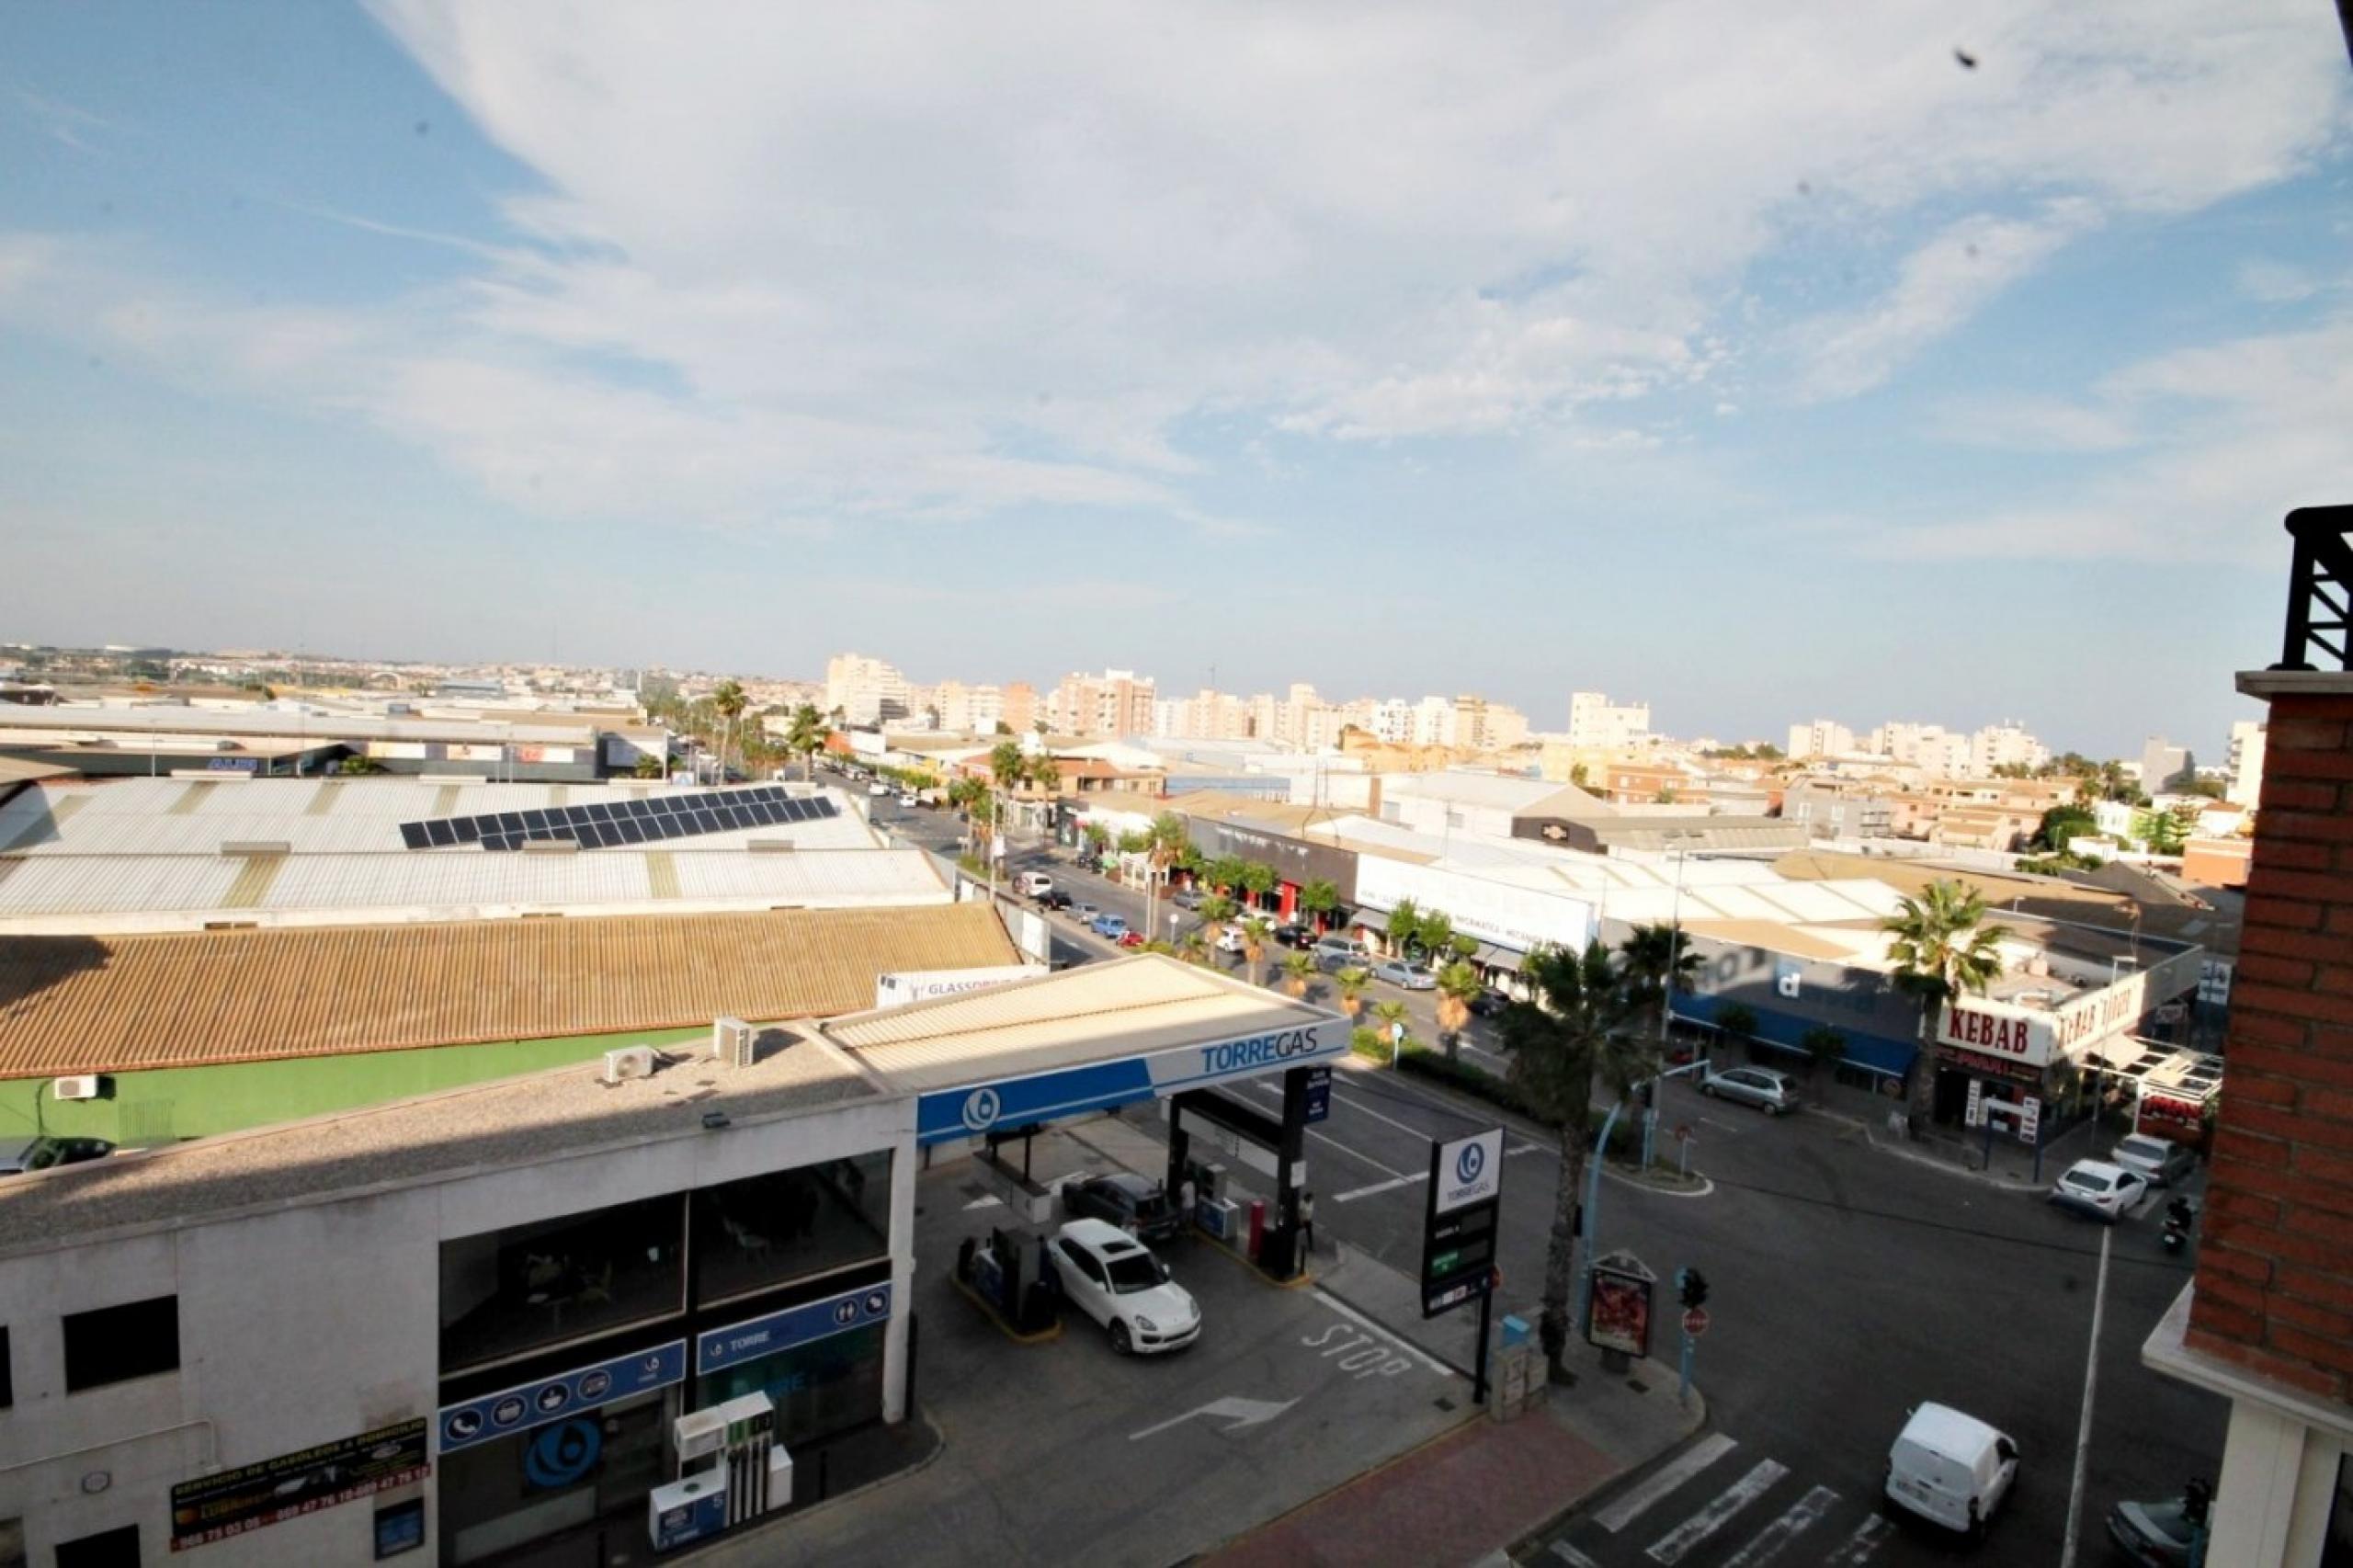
(1717, 1506)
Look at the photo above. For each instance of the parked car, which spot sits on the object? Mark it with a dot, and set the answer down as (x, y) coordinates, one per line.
(907, 798)
(1034, 884)
(1132, 939)
(1084, 912)
(2154, 1535)
(2103, 1191)
(1188, 898)
(1230, 940)
(1768, 1089)
(1053, 898)
(1291, 934)
(2160, 1162)
(1110, 927)
(1334, 954)
(44, 1153)
(878, 789)
(1116, 1280)
(1135, 1204)
(1398, 973)
(1951, 1467)
(1489, 1004)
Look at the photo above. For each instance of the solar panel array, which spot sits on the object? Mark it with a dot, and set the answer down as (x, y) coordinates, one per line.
(621, 824)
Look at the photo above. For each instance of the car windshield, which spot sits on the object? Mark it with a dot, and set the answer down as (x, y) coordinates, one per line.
(41, 1157)
(1137, 1271)
(2085, 1181)
(2142, 1149)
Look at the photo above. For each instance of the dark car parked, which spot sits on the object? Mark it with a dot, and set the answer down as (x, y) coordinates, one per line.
(1053, 898)
(1293, 935)
(1489, 1004)
(1135, 1205)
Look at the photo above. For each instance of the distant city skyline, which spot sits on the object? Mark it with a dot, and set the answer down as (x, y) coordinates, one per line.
(1310, 345)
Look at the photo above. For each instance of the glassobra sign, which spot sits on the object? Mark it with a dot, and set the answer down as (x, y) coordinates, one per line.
(215, 1508)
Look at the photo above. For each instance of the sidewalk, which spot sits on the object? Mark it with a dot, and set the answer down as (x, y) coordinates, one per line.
(1468, 1496)
(2003, 1161)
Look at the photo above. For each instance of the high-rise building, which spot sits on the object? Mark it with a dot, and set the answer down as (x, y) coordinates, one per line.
(1019, 707)
(2247, 739)
(2163, 764)
(974, 709)
(2004, 745)
(865, 690)
(1596, 721)
(1933, 749)
(1115, 703)
(1506, 727)
(1821, 737)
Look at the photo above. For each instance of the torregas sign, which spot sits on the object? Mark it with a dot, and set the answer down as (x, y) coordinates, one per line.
(2035, 1037)
(945, 1115)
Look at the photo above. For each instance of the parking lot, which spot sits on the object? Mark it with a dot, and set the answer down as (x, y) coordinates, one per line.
(1064, 1451)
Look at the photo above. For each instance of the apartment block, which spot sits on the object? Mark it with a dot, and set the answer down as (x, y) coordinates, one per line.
(1596, 721)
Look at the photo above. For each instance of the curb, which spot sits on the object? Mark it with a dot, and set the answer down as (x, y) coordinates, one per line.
(1533, 1541)
(1930, 1162)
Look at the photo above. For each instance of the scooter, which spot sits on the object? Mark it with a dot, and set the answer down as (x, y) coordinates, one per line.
(2178, 1215)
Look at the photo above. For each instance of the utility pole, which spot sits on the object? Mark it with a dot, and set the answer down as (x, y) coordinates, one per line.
(2083, 1423)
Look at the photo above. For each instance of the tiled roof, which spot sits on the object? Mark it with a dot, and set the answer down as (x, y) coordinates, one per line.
(116, 1004)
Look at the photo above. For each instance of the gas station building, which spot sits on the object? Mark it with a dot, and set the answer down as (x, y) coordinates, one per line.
(574, 1315)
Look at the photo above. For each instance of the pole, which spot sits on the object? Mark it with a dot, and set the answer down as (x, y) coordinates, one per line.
(1593, 1219)
(1683, 1392)
(2083, 1424)
(1479, 1361)
(1674, 951)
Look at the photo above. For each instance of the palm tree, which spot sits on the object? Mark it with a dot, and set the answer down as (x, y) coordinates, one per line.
(1318, 899)
(1458, 985)
(728, 703)
(1215, 911)
(806, 737)
(1404, 924)
(1390, 1015)
(1941, 949)
(1298, 970)
(1192, 948)
(1350, 985)
(1657, 962)
(1167, 840)
(1572, 1028)
(1254, 935)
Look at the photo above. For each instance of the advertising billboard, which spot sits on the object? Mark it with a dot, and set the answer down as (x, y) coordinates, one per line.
(215, 1508)
(1621, 1315)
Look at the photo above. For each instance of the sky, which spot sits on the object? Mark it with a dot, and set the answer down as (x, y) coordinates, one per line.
(1920, 360)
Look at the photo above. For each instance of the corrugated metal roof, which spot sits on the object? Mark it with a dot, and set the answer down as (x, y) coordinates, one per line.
(95, 1005)
(1126, 1007)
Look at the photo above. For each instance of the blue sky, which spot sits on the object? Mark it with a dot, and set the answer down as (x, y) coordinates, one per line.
(1759, 364)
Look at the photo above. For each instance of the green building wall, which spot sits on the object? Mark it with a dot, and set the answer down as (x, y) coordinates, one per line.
(168, 1104)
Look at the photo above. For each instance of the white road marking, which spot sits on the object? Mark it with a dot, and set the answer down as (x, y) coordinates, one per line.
(1525, 1149)
(1235, 1412)
(1766, 1544)
(1677, 1543)
(1572, 1556)
(1276, 1089)
(1392, 1185)
(991, 1202)
(1626, 1509)
(1407, 1346)
(1863, 1545)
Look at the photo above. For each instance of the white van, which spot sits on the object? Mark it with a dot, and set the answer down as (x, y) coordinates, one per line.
(1951, 1467)
(1033, 883)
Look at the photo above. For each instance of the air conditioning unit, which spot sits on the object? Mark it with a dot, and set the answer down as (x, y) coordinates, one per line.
(629, 1062)
(734, 1041)
(86, 1087)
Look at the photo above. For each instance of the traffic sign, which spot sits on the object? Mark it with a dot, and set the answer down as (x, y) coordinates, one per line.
(1695, 1322)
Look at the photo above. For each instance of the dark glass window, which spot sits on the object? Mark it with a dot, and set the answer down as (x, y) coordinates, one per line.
(516, 1290)
(765, 1230)
(820, 1388)
(7, 1373)
(114, 1345)
(117, 1548)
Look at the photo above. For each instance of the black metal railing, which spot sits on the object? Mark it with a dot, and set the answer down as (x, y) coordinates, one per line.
(2320, 591)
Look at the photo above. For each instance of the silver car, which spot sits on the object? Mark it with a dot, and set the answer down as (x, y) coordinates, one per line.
(2160, 1162)
(1772, 1092)
(1410, 976)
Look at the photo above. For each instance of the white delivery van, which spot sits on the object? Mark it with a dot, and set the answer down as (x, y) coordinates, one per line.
(1035, 883)
(1951, 1467)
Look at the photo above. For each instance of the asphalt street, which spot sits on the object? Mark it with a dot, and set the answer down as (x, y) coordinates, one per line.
(1847, 1285)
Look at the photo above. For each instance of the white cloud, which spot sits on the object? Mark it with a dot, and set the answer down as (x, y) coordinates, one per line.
(2275, 282)
(829, 267)
(1941, 285)
(2240, 433)
(2023, 424)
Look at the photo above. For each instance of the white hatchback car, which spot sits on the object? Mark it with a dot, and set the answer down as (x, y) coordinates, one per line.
(2103, 1191)
(1115, 1279)
(2160, 1161)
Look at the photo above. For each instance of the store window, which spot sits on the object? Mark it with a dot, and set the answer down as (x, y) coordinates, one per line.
(820, 1388)
(574, 1488)
(768, 1230)
(513, 1290)
(114, 1345)
(108, 1549)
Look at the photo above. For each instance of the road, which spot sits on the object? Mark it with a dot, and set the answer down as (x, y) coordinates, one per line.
(1847, 1285)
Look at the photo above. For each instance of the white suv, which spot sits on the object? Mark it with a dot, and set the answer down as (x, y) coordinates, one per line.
(1114, 1278)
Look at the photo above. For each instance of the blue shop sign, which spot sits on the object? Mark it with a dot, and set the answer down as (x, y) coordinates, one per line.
(739, 1343)
(514, 1410)
(1319, 1093)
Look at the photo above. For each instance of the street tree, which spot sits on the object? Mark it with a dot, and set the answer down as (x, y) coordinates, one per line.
(805, 738)
(1434, 932)
(1349, 984)
(1458, 985)
(1573, 1028)
(1404, 928)
(1258, 879)
(1389, 1015)
(1656, 960)
(1319, 900)
(2062, 823)
(728, 701)
(1299, 973)
(1941, 947)
(1256, 934)
(1824, 1047)
(1215, 911)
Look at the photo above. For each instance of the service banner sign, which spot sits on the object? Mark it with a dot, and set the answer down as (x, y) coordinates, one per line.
(519, 1409)
(215, 1508)
(924, 985)
(1459, 1221)
(1470, 1170)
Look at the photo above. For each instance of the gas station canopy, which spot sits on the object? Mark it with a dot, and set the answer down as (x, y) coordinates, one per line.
(1081, 1041)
